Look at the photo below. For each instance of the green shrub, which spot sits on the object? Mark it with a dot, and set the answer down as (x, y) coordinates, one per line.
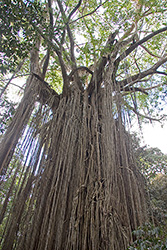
(149, 237)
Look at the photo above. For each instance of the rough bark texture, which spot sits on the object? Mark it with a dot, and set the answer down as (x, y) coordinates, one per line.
(78, 186)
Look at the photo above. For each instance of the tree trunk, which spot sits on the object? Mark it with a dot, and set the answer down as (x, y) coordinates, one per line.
(19, 121)
(22, 115)
(81, 188)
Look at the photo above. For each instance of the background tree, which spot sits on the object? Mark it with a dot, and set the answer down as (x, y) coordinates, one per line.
(153, 164)
(92, 65)
(151, 161)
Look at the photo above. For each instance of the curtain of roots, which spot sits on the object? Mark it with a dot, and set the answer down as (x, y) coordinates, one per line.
(72, 182)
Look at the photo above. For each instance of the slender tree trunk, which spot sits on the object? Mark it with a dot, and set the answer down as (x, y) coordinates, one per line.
(19, 121)
(22, 115)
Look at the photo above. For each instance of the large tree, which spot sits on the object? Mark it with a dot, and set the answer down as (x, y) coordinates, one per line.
(67, 164)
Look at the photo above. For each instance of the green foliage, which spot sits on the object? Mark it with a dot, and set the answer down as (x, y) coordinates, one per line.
(23, 22)
(17, 31)
(158, 195)
(153, 164)
(149, 237)
(7, 110)
(151, 161)
(54, 77)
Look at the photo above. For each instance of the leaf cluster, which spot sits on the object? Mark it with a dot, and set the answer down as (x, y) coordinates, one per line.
(18, 20)
(149, 237)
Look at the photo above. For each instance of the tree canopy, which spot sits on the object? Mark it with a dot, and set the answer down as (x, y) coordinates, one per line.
(77, 37)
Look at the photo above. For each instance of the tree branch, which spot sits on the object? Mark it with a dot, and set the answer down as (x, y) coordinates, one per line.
(46, 63)
(149, 52)
(16, 71)
(161, 73)
(90, 13)
(62, 64)
(154, 87)
(135, 45)
(74, 10)
(17, 86)
(70, 35)
(134, 89)
(69, 17)
(135, 78)
(144, 116)
(45, 84)
(50, 14)
(59, 54)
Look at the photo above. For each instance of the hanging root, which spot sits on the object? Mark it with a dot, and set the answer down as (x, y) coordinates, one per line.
(74, 182)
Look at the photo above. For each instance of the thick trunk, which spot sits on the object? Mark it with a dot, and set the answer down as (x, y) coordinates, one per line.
(86, 192)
